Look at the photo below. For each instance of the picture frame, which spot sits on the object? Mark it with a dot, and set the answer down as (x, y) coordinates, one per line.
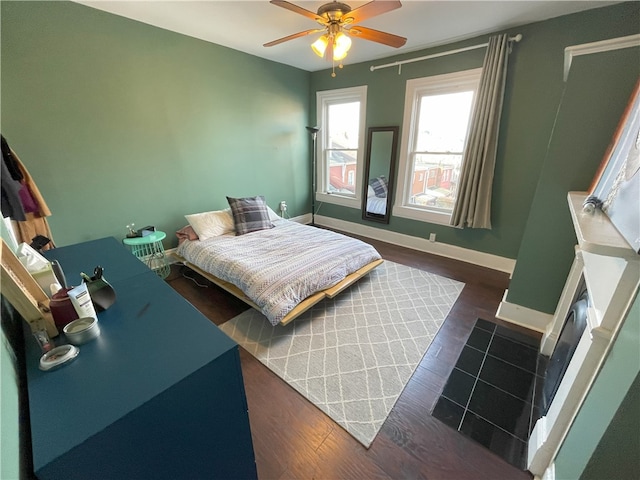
(617, 180)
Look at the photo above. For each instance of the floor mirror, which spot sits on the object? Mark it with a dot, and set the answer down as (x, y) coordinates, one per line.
(380, 162)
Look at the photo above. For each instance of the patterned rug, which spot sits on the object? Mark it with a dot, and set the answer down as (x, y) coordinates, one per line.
(352, 356)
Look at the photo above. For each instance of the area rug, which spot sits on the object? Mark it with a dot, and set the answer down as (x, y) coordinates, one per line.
(352, 356)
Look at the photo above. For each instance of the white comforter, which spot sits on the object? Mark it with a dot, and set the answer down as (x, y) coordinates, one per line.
(377, 205)
(280, 267)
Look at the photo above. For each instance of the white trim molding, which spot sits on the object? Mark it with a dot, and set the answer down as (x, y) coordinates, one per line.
(597, 47)
(523, 316)
(416, 89)
(549, 474)
(482, 259)
(325, 99)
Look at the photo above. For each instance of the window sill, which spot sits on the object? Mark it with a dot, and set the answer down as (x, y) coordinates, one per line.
(422, 215)
(338, 199)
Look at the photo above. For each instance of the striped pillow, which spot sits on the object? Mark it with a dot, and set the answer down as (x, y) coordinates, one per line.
(250, 214)
(379, 185)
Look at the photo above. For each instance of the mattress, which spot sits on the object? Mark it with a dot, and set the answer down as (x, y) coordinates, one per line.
(279, 267)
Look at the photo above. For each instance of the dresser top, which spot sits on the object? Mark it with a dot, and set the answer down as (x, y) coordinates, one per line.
(151, 338)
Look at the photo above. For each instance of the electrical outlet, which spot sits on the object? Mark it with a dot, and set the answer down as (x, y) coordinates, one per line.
(432, 237)
(283, 206)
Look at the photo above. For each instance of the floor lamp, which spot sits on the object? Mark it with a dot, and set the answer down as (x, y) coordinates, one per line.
(314, 133)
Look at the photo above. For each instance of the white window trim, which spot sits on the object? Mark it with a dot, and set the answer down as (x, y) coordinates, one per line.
(340, 95)
(415, 88)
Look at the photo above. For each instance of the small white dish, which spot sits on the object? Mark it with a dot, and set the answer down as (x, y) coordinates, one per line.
(58, 356)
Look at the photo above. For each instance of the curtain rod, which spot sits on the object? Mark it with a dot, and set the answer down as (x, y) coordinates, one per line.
(399, 63)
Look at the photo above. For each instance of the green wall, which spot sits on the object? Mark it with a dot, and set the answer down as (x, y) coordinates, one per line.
(618, 448)
(121, 122)
(9, 413)
(529, 210)
(590, 109)
(9, 393)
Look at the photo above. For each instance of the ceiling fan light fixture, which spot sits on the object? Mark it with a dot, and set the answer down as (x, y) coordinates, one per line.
(341, 46)
(320, 45)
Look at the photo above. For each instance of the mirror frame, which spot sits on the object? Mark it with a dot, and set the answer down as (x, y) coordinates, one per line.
(392, 169)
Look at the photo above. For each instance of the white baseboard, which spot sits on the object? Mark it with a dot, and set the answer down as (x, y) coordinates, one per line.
(509, 312)
(550, 472)
(523, 316)
(482, 259)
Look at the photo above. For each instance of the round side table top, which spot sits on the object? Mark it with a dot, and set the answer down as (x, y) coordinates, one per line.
(156, 236)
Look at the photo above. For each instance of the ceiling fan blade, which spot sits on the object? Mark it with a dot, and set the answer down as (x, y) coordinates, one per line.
(295, 8)
(291, 37)
(377, 36)
(371, 9)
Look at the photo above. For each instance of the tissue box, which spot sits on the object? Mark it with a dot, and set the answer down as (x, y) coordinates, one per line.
(147, 231)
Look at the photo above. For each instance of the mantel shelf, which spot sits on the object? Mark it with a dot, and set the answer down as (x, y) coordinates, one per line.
(595, 232)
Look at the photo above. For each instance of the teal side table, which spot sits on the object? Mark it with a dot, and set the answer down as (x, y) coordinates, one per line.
(149, 250)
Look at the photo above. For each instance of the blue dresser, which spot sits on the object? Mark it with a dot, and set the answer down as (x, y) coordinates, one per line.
(158, 395)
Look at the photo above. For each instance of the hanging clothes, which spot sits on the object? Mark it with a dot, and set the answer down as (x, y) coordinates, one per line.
(34, 209)
(43, 209)
(10, 198)
(10, 180)
(9, 160)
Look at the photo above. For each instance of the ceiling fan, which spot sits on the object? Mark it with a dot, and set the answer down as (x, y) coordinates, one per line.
(338, 22)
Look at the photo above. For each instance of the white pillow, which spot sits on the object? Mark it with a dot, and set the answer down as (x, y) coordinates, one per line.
(273, 215)
(211, 224)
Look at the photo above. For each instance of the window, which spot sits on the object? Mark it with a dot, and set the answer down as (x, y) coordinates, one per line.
(340, 143)
(436, 122)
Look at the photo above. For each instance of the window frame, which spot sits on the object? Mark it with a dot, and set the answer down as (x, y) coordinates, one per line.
(415, 89)
(324, 99)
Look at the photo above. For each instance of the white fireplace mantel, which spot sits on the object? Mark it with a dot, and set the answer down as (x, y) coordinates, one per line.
(611, 271)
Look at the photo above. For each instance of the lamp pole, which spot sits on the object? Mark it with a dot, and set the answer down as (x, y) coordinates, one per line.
(314, 133)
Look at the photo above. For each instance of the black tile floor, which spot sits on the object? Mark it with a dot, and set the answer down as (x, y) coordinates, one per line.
(490, 395)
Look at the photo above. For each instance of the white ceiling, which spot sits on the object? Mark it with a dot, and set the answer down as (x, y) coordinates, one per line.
(246, 25)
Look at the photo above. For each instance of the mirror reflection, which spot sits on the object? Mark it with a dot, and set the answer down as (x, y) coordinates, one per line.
(380, 160)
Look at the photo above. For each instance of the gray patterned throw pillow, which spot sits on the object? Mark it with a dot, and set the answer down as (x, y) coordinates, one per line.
(250, 214)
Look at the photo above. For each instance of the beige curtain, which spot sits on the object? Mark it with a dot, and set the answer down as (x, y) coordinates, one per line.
(473, 205)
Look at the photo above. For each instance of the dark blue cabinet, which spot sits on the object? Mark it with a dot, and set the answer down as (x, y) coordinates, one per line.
(159, 394)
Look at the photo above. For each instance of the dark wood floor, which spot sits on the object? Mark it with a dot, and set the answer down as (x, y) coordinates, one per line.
(292, 439)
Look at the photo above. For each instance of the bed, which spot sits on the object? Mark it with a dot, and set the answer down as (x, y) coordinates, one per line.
(281, 270)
